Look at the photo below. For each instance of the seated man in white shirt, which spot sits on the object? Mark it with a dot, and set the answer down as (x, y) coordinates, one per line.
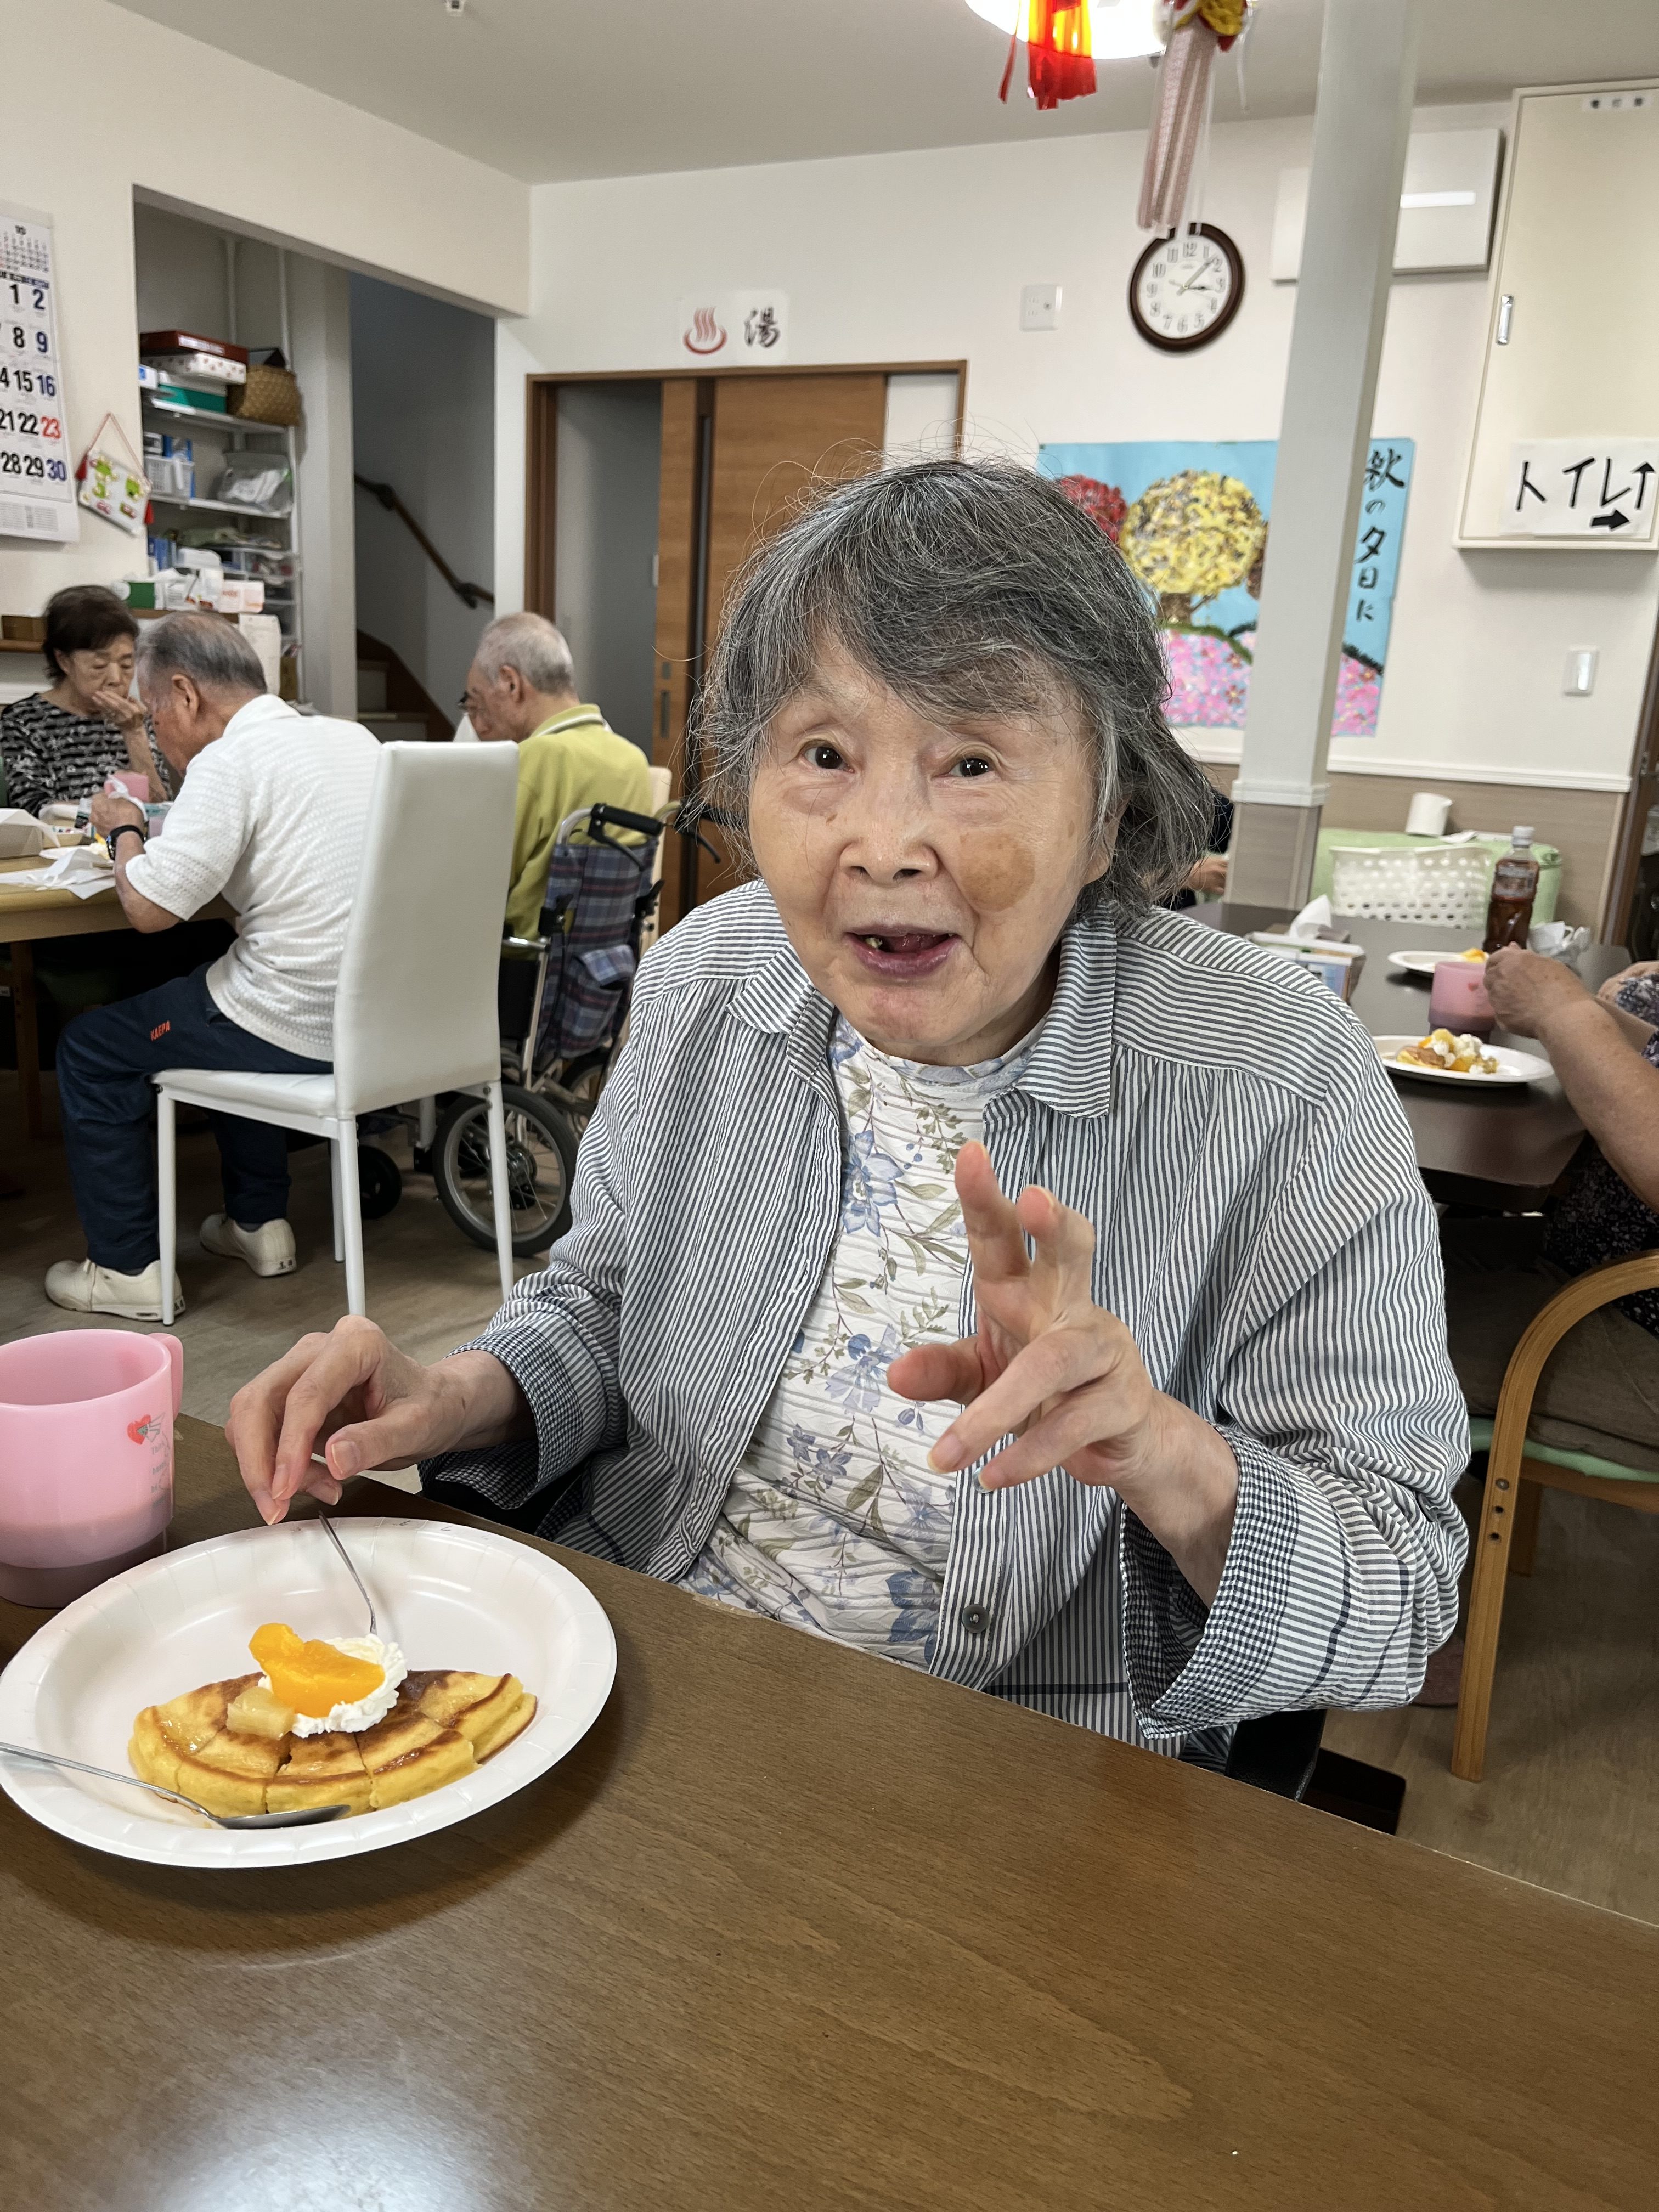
(271, 813)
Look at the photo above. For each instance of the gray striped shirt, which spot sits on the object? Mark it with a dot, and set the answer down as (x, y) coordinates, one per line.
(1225, 1122)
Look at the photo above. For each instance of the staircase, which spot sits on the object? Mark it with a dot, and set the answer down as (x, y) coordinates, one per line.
(379, 719)
(391, 703)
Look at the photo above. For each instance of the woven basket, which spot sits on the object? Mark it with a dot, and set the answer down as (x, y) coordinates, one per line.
(271, 395)
(1448, 886)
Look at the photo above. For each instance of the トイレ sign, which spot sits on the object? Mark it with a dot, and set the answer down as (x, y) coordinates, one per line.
(1605, 490)
(726, 327)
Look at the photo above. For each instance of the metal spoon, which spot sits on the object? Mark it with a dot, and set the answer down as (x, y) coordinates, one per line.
(334, 1539)
(305, 1817)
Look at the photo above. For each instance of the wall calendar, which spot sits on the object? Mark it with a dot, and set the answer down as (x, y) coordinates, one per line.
(36, 482)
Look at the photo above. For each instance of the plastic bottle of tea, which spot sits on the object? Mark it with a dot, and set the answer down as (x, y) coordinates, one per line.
(1514, 888)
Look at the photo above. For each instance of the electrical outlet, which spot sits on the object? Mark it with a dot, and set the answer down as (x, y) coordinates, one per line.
(1578, 680)
(1039, 308)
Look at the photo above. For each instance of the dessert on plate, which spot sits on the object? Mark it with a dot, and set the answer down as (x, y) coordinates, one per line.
(1446, 1054)
(336, 1721)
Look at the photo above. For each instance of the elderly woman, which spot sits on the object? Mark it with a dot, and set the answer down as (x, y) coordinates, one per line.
(60, 744)
(1165, 1441)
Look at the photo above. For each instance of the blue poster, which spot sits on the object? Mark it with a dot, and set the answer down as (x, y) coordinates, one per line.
(1194, 519)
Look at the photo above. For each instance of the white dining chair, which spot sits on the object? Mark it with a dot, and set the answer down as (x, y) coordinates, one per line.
(415, 1011)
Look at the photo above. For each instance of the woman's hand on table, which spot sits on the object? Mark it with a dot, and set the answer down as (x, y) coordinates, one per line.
(367, 1406)
(1067, 1380)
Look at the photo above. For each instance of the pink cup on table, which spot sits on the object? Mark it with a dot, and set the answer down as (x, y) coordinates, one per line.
(1458, 1001)
(86, 1457)
(127, 783)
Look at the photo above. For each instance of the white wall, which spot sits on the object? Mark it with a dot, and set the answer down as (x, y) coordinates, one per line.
(423, 416)
(921, 256)
(263, 153)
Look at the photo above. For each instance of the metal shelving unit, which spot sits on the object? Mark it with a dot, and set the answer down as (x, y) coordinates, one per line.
(236, 430)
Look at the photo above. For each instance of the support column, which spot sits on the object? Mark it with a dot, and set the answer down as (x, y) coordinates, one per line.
(1367, 77)
(319, 307)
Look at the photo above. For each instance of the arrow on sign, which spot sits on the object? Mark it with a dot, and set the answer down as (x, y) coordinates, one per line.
(1617, 520)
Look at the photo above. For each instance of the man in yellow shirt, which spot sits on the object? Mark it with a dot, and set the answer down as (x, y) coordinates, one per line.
(522, 685)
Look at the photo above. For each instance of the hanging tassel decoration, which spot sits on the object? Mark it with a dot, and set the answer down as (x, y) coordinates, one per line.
(1061, 56)
(1198, 31)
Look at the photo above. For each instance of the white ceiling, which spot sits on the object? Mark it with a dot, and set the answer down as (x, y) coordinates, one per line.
(559, 88)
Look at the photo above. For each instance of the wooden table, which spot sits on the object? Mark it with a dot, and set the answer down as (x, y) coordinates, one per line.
(26, 915)
(1500, 1147)
(793, 1926)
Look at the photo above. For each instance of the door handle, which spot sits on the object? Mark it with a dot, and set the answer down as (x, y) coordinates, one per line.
(1505, 317)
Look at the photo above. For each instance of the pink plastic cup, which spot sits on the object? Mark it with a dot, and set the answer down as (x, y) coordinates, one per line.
(86, 1457)
(127, 783)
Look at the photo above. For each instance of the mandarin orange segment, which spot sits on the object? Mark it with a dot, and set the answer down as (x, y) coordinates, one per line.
(311, 1677)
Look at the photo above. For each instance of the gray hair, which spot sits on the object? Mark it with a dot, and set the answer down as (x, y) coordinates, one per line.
(213, 653)
(534, 646)
(969, 588)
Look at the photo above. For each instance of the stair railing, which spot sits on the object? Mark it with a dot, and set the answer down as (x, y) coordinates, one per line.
(472, 593)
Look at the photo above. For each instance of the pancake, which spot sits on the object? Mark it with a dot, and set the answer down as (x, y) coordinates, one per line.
(443, 1724)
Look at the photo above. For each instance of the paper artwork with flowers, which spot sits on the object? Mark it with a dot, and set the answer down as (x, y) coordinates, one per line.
(1195, 522)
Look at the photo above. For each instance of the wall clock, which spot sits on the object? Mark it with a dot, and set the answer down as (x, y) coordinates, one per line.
(1186, 289)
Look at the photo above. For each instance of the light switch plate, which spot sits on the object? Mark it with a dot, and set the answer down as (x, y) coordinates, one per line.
(1039, 308)
(1578, 679)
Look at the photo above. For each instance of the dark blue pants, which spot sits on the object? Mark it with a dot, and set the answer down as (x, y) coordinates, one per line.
(105, 1059)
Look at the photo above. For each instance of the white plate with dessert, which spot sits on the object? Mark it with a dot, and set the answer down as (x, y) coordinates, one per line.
(1440, 1057)
(491, 1662)
(1424, 964)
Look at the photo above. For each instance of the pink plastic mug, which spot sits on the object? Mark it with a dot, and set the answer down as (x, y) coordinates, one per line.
(86, 1457)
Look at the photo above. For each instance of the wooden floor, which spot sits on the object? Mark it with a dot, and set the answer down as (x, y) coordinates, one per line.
(1570, 1800)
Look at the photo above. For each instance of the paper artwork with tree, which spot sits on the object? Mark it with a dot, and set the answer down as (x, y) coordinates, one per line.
(1193, 522)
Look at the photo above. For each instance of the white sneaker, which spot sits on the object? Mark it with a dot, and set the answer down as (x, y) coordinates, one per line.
(81, 1287)
(268, 1249)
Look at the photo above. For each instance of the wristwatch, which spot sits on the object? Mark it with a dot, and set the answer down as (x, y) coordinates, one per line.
(132, 830)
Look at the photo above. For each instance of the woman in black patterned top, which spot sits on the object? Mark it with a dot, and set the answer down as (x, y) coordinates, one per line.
(1599, 1392)
(60, 744)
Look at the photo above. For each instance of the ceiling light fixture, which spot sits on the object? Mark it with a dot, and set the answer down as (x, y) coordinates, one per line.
(1119, 29)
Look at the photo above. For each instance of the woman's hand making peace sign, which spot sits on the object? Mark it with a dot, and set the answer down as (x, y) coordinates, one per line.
(1066, 1380)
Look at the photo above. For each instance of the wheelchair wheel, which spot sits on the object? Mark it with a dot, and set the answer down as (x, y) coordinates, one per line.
(380, 1181)
(541, 1160)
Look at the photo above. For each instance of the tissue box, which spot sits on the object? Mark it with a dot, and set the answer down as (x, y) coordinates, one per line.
(1336, 962)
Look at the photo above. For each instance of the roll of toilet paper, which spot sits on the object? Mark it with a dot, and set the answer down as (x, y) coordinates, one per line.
(1427, 816)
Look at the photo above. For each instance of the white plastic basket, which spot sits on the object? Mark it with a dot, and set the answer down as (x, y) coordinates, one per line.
(1448, 886)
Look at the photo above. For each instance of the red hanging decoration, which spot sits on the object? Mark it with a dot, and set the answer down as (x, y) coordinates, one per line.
(1061, 56)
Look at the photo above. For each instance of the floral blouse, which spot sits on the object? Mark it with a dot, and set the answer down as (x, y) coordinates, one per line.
(835, 1522)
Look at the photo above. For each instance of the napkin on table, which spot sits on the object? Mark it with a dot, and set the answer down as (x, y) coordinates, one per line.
(84, 869)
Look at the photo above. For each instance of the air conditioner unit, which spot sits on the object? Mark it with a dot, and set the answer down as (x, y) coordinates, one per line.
(1446, 205)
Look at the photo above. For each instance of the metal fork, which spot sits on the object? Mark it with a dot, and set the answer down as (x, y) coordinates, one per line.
(305, 1817)
(334, 1539)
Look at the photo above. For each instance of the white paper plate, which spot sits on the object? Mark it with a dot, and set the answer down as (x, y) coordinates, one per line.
(1424, 964)
(451, 1596)
(1513, 1067)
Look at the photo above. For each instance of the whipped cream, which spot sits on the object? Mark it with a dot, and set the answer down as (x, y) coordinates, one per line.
(362, 1712)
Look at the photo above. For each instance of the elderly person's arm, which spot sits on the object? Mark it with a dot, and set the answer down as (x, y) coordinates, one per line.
(110, 815)
(1349, 1431)
(1597, 1052)
(546, 1389)
(1302, 1549)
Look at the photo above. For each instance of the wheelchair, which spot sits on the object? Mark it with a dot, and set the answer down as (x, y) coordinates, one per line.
(562, 999)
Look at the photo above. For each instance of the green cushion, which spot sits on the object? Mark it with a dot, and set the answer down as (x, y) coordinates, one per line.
(1549, 858)
(1606, 1470)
